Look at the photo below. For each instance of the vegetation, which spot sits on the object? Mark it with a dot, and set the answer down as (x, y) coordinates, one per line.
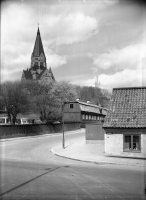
(95, 95)
(14, 99)
(46, 99)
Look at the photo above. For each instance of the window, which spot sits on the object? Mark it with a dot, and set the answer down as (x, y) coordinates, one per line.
(83, 117)
(132, 142)
(86, 117)
(2, 120)
(71, 106)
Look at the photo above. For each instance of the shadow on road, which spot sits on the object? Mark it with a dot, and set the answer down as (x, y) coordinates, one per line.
(8, 191)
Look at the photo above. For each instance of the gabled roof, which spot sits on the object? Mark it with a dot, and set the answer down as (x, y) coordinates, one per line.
(40, 75)
(38, 47)
(127, 108)
(88, 108)
(50, 71)
(27, 74)
(91, 108)
(46, 71)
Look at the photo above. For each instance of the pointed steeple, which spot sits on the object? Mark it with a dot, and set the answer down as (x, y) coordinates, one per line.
(38, 68)
(50, 70)
(38, 33)
(38, 47)
(51, 74)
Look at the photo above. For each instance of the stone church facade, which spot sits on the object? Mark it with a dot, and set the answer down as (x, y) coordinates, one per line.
(38, 70)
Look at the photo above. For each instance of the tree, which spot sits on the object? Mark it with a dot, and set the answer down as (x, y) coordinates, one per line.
(63, 92)
(40, 98)
(47, 98)
(95, 95)
(14, 98)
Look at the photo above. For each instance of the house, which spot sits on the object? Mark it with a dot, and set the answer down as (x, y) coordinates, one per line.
(38, 68)
(76, 111)
(125, 123)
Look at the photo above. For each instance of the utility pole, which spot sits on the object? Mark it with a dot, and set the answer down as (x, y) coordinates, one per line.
(63, 139)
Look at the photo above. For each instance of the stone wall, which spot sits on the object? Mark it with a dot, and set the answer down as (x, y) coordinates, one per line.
(7, 131)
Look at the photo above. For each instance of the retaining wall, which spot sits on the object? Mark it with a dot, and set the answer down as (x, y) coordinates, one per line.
(7, 131)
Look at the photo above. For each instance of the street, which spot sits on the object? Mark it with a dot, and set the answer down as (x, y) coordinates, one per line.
(30, 171)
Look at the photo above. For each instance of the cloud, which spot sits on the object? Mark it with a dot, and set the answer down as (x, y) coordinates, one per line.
(70, 28)
(128, 57)
(84, 82)
(54, 60)
(15, 25)
(126, 78)
(127, 65)
(17, 40)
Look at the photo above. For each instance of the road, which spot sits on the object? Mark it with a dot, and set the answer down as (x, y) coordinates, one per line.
(30, 171)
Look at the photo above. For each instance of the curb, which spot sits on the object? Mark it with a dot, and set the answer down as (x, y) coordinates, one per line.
(91, 161)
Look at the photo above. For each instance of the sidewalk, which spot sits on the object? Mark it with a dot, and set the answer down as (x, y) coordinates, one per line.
(93, 153)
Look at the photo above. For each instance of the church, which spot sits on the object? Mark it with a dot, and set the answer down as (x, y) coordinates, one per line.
(38, 69)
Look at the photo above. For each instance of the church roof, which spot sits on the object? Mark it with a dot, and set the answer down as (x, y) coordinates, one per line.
(127, 108)
(27, 74)
(50, 73)
(40, 75)
(38, 47)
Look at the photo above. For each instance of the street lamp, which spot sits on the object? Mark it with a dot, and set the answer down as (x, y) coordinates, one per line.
(63, 138)
(63, 127)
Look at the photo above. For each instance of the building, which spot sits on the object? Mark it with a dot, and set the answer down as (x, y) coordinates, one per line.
(76, 111)
(125, 123)
(38, 68)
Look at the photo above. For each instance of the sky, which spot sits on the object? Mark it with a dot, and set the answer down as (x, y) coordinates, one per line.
(84, 40)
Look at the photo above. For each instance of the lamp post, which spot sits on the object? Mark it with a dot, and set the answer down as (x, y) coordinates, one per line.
(63, 139)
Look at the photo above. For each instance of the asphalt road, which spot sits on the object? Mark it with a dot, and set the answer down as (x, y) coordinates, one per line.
(30, 171)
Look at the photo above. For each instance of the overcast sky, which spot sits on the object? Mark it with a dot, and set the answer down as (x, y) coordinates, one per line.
(82, 39)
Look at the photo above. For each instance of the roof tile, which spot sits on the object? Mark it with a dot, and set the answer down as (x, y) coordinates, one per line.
(127, 108)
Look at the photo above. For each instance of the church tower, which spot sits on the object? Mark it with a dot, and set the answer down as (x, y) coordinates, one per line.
(38, 67)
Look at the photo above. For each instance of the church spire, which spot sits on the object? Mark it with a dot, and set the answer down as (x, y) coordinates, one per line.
(38, 33)
(38, 58)
(38, 47)
(38, 67)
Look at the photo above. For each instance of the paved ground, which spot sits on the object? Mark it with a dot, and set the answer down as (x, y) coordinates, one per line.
(93, 153)
(29, 171)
